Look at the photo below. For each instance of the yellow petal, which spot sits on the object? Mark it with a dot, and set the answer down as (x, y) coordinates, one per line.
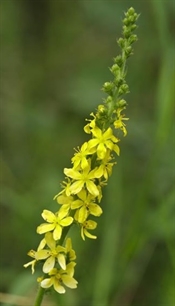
(42, 254)
(95, 210)
(76, 187)
(82, 214)
(101, 151)
(62, 261)
(45, 227)
(116, 149)
(90, 224)
(89, 235)
(57, 286)
(72, 173)
(47, 282)
(48, 215)
(57, 232)
(42, 244)
(66, 221)
(76, 204)
(49, 264)
(92, 188)
(93, 143)
(69, 281)
(49, 240)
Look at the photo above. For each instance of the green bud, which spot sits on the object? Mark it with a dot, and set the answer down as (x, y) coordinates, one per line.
(121, 103)
(132, 19)
(133, 27)
(132, 39)
(118, 60)
(128, 51)
(115, 69)
(108, 87)
(126, 21)
(109, 100)
(118, 81)
(131, 11)
(124, 88)
(121, 42)
(126, 32)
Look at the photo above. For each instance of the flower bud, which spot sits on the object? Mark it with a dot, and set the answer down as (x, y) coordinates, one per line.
(126, 21)
(132, 39)
(109, 100)
(126, 32)
(123, 89)
(128, 51)
(133, 27)
(118, 60)
(121, 42)
(121, 103)
(108, 87)
(131, 11)
(115, 69)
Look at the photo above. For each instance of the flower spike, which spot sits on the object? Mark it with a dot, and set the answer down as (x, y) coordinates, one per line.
(92, 164)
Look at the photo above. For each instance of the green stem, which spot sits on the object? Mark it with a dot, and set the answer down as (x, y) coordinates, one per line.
(39, 296)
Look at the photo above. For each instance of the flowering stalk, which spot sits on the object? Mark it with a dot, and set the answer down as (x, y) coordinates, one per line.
(81, 191)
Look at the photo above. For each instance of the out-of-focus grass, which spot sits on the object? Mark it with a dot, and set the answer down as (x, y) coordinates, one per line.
(54, 60)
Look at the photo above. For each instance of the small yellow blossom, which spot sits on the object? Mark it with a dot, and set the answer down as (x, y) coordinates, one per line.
(66, 188)
(119, 124)
(106, 165)
(55, 223)
(90, 125)
(80, 158)
(85, 206)
(103, 141)
(55, 252)
(63, 199)
(69, 251)
(33, 253)
(59, 278)
(88, 225)
(83, 178)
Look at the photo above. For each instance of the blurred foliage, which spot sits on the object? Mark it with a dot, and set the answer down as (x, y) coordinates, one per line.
(54, 59)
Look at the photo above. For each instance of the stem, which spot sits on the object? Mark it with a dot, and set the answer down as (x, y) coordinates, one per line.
(39, 296)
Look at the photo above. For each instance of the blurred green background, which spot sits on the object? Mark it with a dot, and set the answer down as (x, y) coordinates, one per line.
(54, 60)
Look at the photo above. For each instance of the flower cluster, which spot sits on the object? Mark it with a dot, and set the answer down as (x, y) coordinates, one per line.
(92, 164)
(58, 263)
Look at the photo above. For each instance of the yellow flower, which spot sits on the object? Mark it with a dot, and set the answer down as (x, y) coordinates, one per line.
(83, 178)
(90, 125)
(88, 225)
(59, 278)
(85, 205)
(66, 188)
(63, 199)
(80, 158)
(33, 253)
(69, 251)
(103, 141)
(106, 165)
(119, 124)
(54, 252)
(55, 223)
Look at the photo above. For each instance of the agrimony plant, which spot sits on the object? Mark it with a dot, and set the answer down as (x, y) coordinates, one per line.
(92, 165)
